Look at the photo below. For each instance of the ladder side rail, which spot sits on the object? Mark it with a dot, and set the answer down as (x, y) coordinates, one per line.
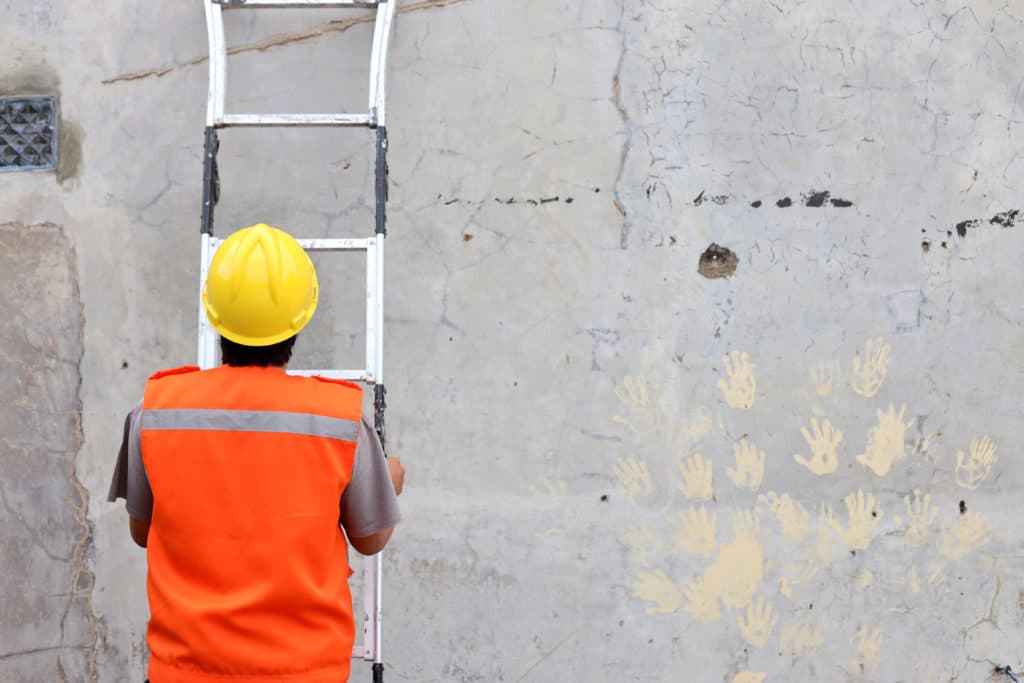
(218, 63)
(207, 357)
(372, 327)
(379, 61)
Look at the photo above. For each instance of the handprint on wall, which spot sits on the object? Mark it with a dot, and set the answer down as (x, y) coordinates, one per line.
(740, 566)
(885, 441)
(702, 600)
(641, 403)
(656, 588)
(863, 518)
(740, 390)
(824, 376)
(697, 536)
(643, 544)
(749, 470)
(697, 478)
(749, 677)
(870, 368)
(791, 515)
(968, 533)
(868, 645)
(970, 473)
(759, 623)
(634, 477)
(920, 517)
(801, 638)
(824, 443)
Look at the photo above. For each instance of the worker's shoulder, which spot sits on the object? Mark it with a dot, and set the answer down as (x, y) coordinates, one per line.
(183, 370)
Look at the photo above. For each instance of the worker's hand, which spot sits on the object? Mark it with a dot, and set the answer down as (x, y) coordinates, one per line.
(397, 474)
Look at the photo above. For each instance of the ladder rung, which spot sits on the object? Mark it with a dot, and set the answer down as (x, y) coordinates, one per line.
(281, 4)
(338, 244)
(350, 375)
(294, 120)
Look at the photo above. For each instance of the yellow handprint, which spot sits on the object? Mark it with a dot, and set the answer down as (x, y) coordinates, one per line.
(759, 623)
(921, 517)
(869, 371)
(634, 477)
(824, 443)
(824, 376)
(740, 566)
(740, 390)
(698, 533)
(802, 638)
(860, 507)
(967, 534)
(697, 478)
(641, 403)
(973, 471)
(869, 643)
(885, 441)
(792, 516)
(702, 600)
(749, 470)
(749, 677)
(643, 544)
(657, 588)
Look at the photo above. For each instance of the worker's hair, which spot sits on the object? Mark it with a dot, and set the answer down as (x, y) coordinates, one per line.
(239, 355)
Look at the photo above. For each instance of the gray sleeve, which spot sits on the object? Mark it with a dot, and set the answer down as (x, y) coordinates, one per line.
(369, 503)
(130, 481)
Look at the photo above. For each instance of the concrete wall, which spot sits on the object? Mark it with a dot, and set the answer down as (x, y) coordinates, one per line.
(670, 411)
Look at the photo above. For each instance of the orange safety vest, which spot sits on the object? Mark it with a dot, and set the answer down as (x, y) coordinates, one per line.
(248, 567)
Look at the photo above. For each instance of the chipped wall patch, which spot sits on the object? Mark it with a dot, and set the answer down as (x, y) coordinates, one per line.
(717, 262)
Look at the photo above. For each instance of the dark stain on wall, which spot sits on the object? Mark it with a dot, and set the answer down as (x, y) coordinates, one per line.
(717, 262)
(1006, 219)
(784, 203)
(816, 199)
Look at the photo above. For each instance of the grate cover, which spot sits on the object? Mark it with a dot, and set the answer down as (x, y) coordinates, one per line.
(28, 133)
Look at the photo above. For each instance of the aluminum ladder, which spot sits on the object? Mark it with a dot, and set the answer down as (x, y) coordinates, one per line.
(373, 371)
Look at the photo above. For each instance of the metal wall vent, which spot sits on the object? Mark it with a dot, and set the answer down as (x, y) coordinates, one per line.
(28, 133)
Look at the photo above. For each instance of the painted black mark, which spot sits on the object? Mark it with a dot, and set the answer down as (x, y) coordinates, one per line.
(925, 246)
(757, 204)
(1006, 219)
(720, 199)
(816, 199)
(961, 227)
(548, 200)
(717, 262)
(604, 498)
(963, 507)
(467, 237)
(840, 203)
(783, 203)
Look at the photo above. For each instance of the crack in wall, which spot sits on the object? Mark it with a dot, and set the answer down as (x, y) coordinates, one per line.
(336, 26)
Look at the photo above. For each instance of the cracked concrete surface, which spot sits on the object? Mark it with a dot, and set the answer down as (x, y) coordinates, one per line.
(558, 169)
(49, 626)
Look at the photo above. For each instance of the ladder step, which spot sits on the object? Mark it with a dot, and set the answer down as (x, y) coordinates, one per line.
(282, 4)
(267, 120)
(350, 375)
(338, 244)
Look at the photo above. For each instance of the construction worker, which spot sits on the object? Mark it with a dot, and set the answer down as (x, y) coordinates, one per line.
(239, 480)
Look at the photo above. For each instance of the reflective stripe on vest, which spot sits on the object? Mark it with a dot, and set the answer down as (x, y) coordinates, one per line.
(265, 421)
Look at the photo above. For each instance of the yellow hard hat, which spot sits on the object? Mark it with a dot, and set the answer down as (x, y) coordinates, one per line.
(261, 288)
